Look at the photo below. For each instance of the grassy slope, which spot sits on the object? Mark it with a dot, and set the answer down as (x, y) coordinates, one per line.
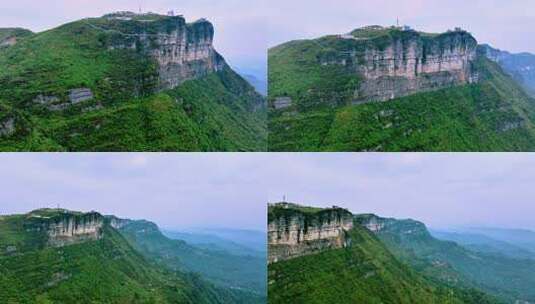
(246, 273)
(209, 114)
(104, 271)
(466, 118)
(508, 278)
(14, 32)
(365, 272)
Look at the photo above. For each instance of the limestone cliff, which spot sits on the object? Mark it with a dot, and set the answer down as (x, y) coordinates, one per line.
(181, 50)
(62, 227)
(392, 63)
(295, 231)
(402, 228)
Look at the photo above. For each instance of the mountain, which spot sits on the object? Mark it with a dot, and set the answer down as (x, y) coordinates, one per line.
(321, 255)
(521, 66)
(245, 273)
(509, 279)
(394, 89)
(236, 241)
(519, 237)
(259, 84)
(126, 82)
(60, 256)
(482, 243)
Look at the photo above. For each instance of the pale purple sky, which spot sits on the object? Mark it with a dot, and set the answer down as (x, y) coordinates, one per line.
(507, 24)
(173, 190)
(231, 189)
(239, 24)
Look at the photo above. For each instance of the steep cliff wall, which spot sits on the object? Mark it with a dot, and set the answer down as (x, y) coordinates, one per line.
(401, 228)
(182, 50)
(395, 63)
(63, 227)
(293, 232)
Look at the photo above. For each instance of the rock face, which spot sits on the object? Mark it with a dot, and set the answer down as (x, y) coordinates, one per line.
(405, 62)
(293, 232)
(403, 228)
(10, 36)
(7, 126)
(64, 228)
(118, 223)
(80, 95)
(182, 50)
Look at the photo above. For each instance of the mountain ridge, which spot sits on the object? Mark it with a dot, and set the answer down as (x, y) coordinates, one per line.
(104, 269)
(458, 100)
(160, 78)
(361, 270)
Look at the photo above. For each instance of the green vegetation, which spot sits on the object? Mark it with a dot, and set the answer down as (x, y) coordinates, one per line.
(14, 32)
(217, 112)
(109, 270)
(509, 279)
(245, 273)
(495, 114)
(364, 272)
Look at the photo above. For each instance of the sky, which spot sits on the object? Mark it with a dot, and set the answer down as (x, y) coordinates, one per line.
(230, 190)
(508, 25)
(450, 190)
(240, 26)
(177, 191)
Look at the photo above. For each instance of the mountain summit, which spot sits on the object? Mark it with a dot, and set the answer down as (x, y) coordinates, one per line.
(396, 89)
(124, 82)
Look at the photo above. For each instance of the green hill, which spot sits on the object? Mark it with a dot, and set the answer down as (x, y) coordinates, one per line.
(244, 273)
(126, 83)
(316, 96)
(510, 279)
(58, 256)
(364, 271)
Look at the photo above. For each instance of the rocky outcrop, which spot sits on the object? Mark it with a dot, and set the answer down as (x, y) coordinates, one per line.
(401, 228)
(118, 223)
(10, 36)
(282, 102)
(62, 227)
(182, 50)
(7, 126)
(294, 231)
(402, 62)
(80, 95)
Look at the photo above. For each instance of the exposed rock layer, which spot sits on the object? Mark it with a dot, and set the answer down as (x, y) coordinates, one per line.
(182, 50)
(66, 228)
(293, 233)
(407, 62)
